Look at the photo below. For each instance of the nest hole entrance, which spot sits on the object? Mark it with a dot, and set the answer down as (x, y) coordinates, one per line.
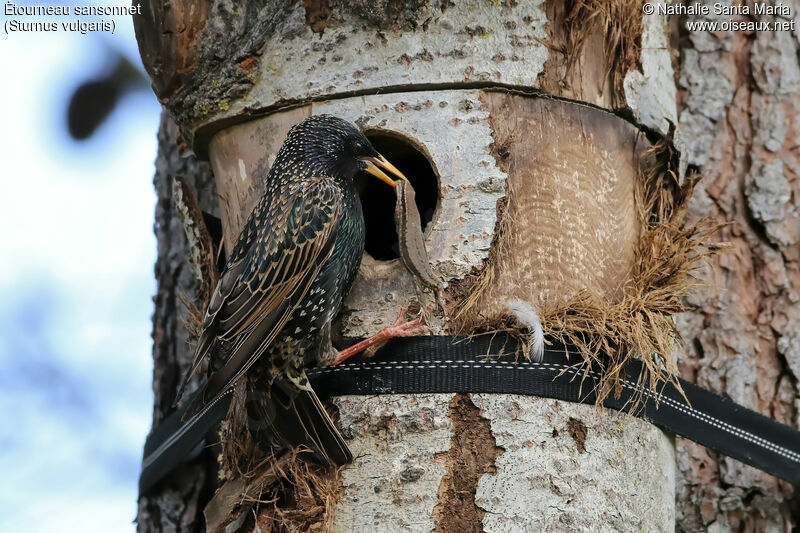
(214, 227)
(378, 199)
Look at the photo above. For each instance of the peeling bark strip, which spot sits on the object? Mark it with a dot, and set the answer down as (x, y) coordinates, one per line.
(585, 40)
(202, 257)
(242, 157)
(595, 43)
(168, 36)
(411, 239)
(472, 453)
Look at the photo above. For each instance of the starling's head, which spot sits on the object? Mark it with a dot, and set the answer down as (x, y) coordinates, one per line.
(335, 147)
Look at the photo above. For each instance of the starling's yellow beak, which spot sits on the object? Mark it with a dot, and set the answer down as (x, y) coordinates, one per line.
(372, 167)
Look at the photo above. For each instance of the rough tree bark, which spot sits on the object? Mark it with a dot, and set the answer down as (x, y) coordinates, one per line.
(214, 66)
(740, 114)
(176, 506)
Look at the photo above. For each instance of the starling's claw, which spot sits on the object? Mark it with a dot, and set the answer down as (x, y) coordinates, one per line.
(407, 329)
(372, 344)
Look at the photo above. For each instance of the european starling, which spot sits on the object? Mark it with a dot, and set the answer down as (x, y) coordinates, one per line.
(284, 282)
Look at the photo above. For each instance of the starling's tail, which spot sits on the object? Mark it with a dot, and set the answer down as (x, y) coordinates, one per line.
(292, 415)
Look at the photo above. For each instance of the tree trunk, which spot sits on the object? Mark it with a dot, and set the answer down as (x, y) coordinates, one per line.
(176, 506)
(740, 117)
(453, 82)
(536, 471)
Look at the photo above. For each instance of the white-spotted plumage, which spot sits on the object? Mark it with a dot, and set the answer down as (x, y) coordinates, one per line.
(286, 277)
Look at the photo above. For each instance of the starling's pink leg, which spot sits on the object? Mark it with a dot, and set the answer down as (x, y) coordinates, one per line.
(398, 329)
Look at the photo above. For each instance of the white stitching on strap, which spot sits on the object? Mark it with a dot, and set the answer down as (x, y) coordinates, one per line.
(155, 454)
(528, 365)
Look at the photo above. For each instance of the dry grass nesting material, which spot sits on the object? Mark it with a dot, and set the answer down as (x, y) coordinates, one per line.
(281, 493)
(669, 255)
(305, 497)
(620, 24)
(302, 498)
(288, 492)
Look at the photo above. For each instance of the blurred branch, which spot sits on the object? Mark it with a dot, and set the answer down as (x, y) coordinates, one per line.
(95, 99)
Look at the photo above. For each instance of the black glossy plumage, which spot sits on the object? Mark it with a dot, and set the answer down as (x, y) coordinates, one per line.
(293, 263)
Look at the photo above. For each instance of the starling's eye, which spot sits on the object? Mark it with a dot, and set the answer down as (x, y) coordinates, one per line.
(358, 147)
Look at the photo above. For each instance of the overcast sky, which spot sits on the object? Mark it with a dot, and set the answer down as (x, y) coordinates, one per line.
(76, 282)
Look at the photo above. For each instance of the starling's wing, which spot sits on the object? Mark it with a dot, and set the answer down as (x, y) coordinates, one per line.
(276, 258)
(291, 415)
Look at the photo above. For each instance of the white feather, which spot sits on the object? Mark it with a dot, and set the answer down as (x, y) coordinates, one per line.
(527, 316)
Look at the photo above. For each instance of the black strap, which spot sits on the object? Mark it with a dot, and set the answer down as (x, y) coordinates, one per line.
(172, 442)
(488, 363)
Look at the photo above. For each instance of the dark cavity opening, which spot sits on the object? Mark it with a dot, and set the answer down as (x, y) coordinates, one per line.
(214, 227)
(378, 199)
